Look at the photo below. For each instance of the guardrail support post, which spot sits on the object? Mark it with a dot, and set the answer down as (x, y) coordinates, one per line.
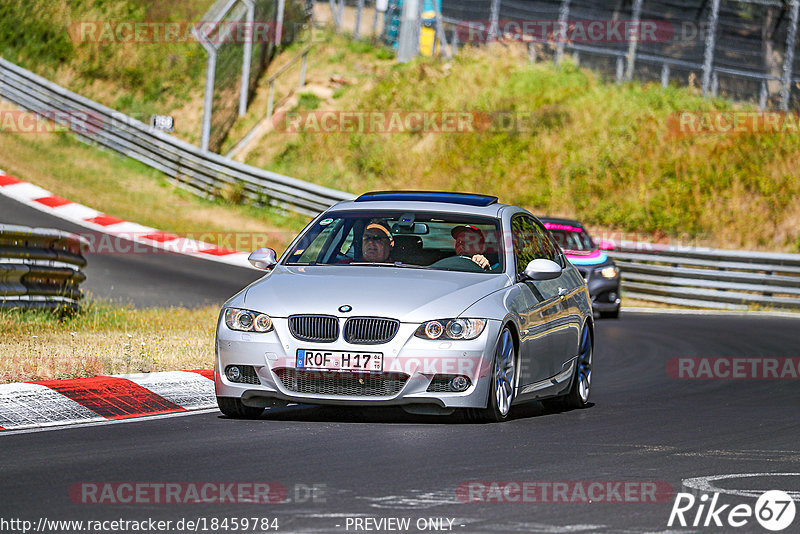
(708, 57)
(665, 75)
(561, 31)
(788, 59)
(633, 43)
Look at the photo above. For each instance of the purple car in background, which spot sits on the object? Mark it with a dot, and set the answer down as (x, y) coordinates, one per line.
(600, 272)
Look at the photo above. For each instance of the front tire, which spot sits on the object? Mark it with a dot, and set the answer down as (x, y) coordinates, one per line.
(578, 396)
(235, 409)
(502, 389)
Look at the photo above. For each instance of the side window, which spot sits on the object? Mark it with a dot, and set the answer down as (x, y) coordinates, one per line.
(526, 244)
(550, 249)
(532, 241)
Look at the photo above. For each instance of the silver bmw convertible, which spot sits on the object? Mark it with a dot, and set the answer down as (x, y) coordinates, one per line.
(435, 302)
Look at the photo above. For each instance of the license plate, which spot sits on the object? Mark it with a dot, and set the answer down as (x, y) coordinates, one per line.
(333, 360)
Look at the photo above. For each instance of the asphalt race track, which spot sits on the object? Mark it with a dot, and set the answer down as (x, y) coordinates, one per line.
(150, 279)
(643, 426)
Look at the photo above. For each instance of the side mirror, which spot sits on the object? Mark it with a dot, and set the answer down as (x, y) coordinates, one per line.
(541, 269)
(263, 258)
(605, 244)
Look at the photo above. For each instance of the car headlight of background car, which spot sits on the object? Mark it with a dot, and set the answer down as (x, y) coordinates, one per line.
(247, 321)
(612, 271)
(451, 329)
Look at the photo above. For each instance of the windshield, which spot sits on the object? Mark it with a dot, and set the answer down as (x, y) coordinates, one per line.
(571, 237)
(422, 240)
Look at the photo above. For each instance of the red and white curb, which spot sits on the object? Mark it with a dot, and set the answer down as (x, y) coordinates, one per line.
(101, 398)
(43, 200)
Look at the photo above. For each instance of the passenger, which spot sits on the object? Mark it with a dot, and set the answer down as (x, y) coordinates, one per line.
(470, 243)
(376, 243)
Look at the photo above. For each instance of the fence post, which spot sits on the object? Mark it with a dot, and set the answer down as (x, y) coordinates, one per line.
(633, 43)
(335, 14)
(763, 96)
(494, 17)
(620, 68)
(708, 58)
(665, 75)
(408, 39)
(357, 29)
(271, 101)
(374, 20)
(208, 99)
(788, 60)
(279, 26)
(244, 92)
(561, 31)
(440, 30)
(303, 69)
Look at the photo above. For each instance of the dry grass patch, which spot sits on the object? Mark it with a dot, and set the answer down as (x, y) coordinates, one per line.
(105, 339)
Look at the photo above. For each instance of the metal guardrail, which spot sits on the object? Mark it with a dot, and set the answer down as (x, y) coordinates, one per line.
(203, 173)
(40, 268)
(708, 278)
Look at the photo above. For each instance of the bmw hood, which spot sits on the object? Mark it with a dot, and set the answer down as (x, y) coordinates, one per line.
(409, 295)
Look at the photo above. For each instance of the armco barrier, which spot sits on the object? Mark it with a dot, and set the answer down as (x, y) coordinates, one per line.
(708, 278)
(204, 173)
(40, 267)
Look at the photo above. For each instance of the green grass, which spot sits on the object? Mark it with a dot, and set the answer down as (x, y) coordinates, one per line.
(308, 101)
(137, 78)
(597, 151)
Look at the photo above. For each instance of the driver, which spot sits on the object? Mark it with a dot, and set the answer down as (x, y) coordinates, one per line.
(470, 243)
(376, 243)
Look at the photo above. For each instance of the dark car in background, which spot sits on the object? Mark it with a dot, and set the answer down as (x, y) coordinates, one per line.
(600, 272)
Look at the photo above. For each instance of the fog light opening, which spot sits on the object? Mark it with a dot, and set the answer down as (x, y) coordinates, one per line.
(459, 383)
(233, 373)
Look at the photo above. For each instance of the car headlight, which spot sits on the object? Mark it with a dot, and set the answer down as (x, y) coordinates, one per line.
(612, 271)
(451, 329)
(247, 321)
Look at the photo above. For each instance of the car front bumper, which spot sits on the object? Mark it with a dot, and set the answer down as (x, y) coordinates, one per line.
(410, 363)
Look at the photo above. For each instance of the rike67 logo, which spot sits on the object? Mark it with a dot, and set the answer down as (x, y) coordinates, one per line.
(774, 510)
